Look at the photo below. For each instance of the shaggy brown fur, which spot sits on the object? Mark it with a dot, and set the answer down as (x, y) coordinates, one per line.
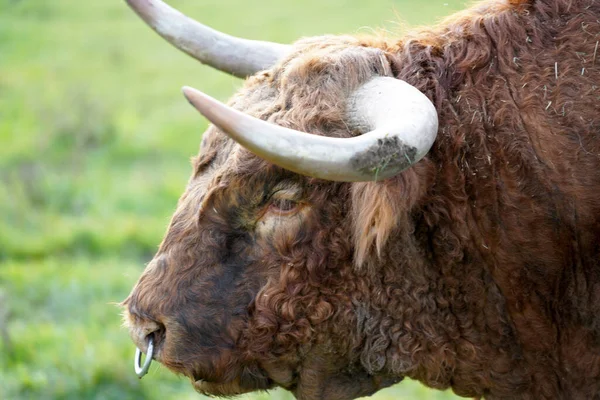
(477, 269)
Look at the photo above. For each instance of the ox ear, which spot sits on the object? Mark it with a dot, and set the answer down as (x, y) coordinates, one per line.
(380, 208)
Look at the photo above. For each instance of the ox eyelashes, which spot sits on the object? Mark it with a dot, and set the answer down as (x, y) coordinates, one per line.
(283, 206)
(283, 209)
(284, 202)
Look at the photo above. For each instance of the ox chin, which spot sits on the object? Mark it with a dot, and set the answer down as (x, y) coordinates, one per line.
(228, 389)
(234, 382)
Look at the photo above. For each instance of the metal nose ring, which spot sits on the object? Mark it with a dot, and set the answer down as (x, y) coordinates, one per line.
(143, 370)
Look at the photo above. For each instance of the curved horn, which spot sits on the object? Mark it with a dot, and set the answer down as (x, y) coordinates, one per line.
(236, 56)
(401, 123)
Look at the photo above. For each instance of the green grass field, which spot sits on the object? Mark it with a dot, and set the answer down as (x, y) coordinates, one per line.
(95, 141)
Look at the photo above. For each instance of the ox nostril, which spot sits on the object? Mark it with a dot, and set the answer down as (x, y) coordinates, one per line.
(150, 327)
(142, 329)
(158, 334)
(153, 329)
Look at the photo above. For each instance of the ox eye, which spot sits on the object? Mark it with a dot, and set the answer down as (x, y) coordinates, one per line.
(283, 205)
(283, 202)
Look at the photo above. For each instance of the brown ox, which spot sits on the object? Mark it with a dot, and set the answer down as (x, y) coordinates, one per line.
(477, 268)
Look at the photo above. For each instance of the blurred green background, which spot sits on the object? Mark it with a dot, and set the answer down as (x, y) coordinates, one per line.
(95, 141)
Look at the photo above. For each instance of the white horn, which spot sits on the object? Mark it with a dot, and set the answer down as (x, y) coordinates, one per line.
(236, 56)
(400, 123)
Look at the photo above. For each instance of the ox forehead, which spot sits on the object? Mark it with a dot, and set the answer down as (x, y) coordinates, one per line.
(369, 209)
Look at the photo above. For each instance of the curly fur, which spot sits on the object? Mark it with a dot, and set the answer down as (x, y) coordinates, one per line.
(477, 269)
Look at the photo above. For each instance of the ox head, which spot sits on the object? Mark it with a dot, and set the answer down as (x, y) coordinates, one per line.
(252, 286)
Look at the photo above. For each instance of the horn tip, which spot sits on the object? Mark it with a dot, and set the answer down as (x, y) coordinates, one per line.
(189, 92)
(186, 89)
(146, 9)
(137, 4)
(197, 99)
